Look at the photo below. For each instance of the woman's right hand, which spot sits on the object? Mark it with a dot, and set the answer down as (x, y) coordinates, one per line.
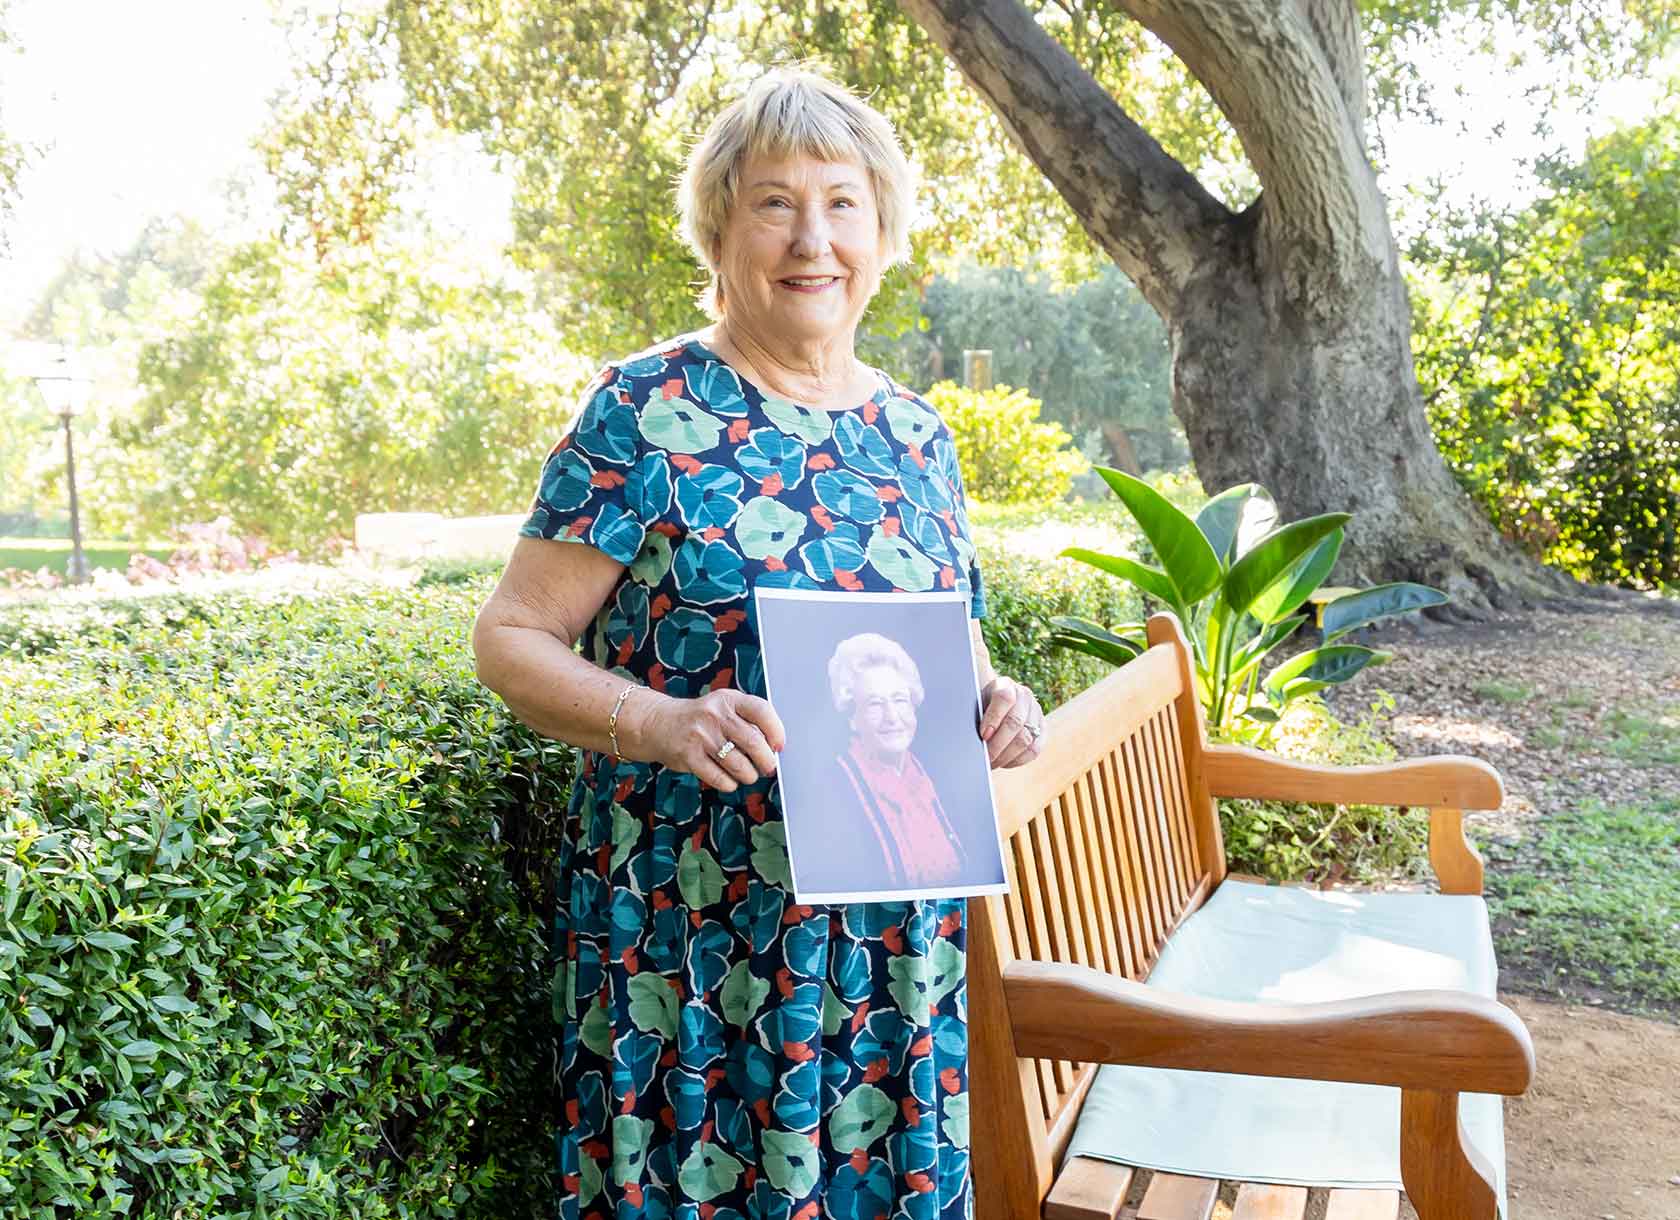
(688, 733)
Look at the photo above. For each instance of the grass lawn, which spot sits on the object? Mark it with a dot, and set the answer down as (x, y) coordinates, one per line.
(1590, 904)
(32, 554)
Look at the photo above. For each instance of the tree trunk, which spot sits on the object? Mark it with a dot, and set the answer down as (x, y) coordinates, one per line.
(1120, 449)
(1321, 407)
(1289, 324)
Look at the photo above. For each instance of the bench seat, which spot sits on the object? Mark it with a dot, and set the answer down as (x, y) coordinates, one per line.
(1282, 945)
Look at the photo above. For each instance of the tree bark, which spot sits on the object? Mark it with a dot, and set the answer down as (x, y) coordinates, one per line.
(1289, 322)
(1120, 449)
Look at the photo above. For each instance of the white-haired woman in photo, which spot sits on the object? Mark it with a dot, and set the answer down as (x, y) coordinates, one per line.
(898, 832)
(699, 1062)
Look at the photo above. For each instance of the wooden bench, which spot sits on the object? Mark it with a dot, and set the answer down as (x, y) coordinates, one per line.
(1112, 840)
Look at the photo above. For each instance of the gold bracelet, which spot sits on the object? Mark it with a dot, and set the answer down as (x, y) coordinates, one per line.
(612, 721)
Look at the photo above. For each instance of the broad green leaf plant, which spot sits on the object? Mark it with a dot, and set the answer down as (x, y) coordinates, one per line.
(1238, 580)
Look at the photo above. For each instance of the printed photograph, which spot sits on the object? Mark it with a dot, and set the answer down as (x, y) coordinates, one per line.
(885, 788)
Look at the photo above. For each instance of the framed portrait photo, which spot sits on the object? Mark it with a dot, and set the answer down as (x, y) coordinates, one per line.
(886, 791)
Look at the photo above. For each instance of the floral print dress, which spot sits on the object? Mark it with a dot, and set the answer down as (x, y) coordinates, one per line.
(726, 1053)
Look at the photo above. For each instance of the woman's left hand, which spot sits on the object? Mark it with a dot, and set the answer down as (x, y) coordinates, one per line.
(1012, 724)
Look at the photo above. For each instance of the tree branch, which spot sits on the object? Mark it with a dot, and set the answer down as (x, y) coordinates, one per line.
(1335, 23)
(1144, 208)
(1285, 74)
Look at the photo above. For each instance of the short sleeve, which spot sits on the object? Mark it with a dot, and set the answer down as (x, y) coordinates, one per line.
(966, 547)
(582, 495)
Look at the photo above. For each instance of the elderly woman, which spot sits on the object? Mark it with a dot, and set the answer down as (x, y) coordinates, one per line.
(721, 1045)
(899, 832)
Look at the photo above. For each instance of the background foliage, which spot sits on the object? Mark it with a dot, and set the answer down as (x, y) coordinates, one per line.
(1546, 341)
(298, 396)
(13, 155)
(1092, 352)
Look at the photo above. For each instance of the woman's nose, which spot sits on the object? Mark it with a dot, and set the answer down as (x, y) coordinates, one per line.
(810, 233)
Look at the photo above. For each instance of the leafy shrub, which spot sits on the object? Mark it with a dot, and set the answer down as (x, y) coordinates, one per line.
(272, 924)
(1235, 580)
(1005, 453)
(1022, 594)
(1292, 842)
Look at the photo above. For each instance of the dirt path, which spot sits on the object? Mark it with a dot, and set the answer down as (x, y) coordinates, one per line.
(1598, 1134)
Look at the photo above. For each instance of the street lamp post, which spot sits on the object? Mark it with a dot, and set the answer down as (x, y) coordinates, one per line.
(66, 391)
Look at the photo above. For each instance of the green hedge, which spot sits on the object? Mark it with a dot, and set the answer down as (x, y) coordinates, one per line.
(271, 926)
(274, 899)
(1022, 593)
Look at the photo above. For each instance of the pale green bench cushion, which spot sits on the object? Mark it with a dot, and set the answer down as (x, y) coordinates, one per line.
(1282, 945)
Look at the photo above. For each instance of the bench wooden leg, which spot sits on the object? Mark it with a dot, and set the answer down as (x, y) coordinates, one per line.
(1446, 1179)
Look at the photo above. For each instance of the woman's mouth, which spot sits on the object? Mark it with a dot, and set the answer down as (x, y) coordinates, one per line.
(809, 283)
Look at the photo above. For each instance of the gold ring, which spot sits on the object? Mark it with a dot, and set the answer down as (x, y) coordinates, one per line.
(724, 751)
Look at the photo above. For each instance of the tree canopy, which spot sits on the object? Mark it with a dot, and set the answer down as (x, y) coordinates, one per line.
(589, 106)
(590, 109)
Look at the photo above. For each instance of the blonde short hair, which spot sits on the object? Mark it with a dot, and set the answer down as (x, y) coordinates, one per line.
(866, 651)
(791, 112)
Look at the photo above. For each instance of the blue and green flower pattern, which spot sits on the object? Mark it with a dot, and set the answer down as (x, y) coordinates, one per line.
(726, 1053)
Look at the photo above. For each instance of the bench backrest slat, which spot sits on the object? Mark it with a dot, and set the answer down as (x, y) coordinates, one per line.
(1106, 852)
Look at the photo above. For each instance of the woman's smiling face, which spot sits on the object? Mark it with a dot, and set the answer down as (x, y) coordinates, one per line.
(883, 712)
(801, 254)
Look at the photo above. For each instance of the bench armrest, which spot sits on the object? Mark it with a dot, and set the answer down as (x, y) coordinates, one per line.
(1444, 1041)
(1444, 782)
